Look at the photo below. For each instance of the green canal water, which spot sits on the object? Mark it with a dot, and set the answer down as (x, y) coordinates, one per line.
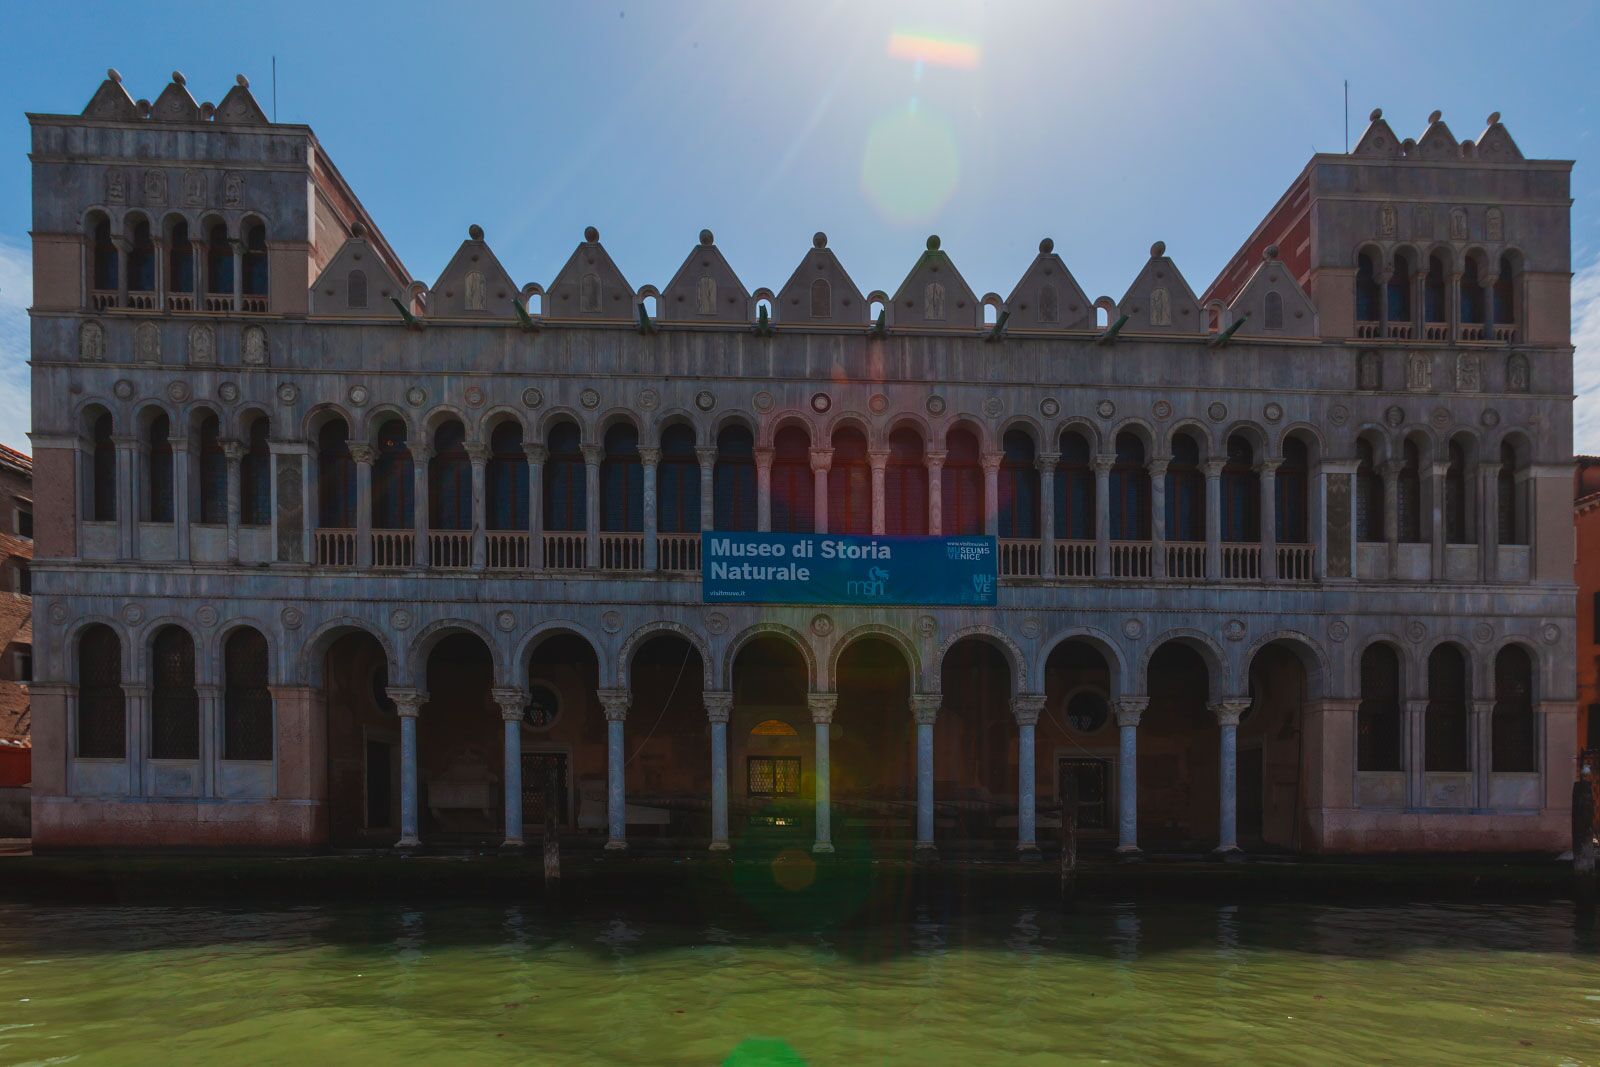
(491, 984)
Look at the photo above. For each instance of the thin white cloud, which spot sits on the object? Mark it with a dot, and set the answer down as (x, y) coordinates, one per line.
(1586, 360)
(16, 293)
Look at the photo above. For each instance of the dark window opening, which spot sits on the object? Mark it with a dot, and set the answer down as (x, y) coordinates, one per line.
(247, 701)
(174, 701)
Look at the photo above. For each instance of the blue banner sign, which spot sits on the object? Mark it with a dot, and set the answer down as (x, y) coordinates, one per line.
(774, 568)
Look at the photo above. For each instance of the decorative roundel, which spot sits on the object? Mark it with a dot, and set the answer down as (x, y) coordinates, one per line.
(532, 397)
(359, 395)
(1483, 633)
(821, 402)
(292, 618)
(416, 396)
(1441, 418)
(1395, 415)
(1490, 418)
(611, 621)
(400, 619)
(1338, 630)
(1416, 632)
(1105, 409)
(506, 620)
(475, 396)
(821, 625)
(1161, 409)
(228, 392)
(1049, 407)
(936, 405)
(178, 392)
(927, 626)
(1132, 629)
(123, 389)
(1217, 411)
(764, 402)
(992, 407)
(877, 403)
(288, 392)
(1272, 412)
(1338, 414)
(649, 400)
(589, 398)
(1031, 628)
(206, 616)
(1550, 632)
(704, 400)
(58, 613)
(716, 622)
(1234, 629)
(133, 614)
(544, 706)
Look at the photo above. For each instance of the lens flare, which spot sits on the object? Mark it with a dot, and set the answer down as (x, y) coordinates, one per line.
(910, 165)
(935, 50)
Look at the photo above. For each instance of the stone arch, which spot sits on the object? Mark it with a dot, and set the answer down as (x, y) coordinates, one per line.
(1423, 437)
(728, 419)
(1030, 426)
(421, 645)
(555, 628)
(203, 672)
(1377, 437)
(650, 437)
(1195, 429)
(429, 423)
(902, 642)
(1260, 441)
(1081, 426)
(1140, 428)
(974, 425)
(1543, 667)
(910, 420)
(493, 418)
(1020, 676)
(1311, 435)
(73, 635)
(556, 416)
(639, 637)
(1218, 671)
(782, 420)
(244, 418)
(1115, 657)
(1469, 652)
(314, 652)
(730, 652)
(275, 648)
(851, 420)
(1312, 657)
(1403, 652)
(320, 415)
(615, 417)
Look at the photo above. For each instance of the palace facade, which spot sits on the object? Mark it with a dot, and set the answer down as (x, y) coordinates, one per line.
(328, 555)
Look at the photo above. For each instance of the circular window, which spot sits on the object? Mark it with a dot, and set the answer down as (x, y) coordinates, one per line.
(1087, 712)
(543, 707)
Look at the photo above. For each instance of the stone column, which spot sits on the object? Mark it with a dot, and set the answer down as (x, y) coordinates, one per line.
(1482, 757)
(1384, 273)
(1228, 714)
(822, 706)
(1489, 520)
(991, 492)
(1436, 477)
(592, 455)
(1047, 512)
(1158, 517)
(615, 702)
(879, 460)
(123, 246)
(211, 738)
(1213, 471)
(158, 246)
(935, 461)
(1267, 475)
(127, 446)
(181, 513)
(197, 260)
(512, 702)
(1453, 312)
(1391, 512)
(1416, 725)
(408, 703)
(363, 455)
(536, 456)
(236, 247)
(1026, 707)
(925, 709)
(821, 460)
(1128, 712)
(478, 455)
(708, 487)
(1102, 518)
(421, 456)
(136, 709)
(719, 708)
(234, 451)
(649, 459)
(764, 489)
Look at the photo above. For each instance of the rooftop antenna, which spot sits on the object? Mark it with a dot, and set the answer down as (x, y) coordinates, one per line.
(275, 98)
(1346, 115)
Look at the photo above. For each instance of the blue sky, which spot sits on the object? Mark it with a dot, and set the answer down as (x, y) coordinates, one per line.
(1105, 127)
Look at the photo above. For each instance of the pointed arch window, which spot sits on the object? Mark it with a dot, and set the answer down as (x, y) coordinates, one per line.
(1130, 491)
(174, 700)
(141, 259)
(793, 495)
(103, 271)
(566, 487)
(1018, 487)
(678, 482)
(1505, 292)
(219, 260)
(393, 487)
(1515, 730)
(1446, 746)
(1074, 490)
(336, 477)
(450, 479)
(255, 260)
(158, 469)
(1369, 495)
(255, 475)
(961, 506)
(1378, 718)
(508, 478)
(1241, 493)
(1457, 514)
(213, 474)
(622, 481)
(247, 732)
(1291, 489)
(1272, 316)
(1472, 309)
(1434, 306)
(849, 484)
(180, 259)
(1367, 291)
(1186, 491)
(104, 505)
(102, 722)
(1511, 505)
(733, 480)
(905, 485)
(1400, 289)
(821, 299)
(1408, 496)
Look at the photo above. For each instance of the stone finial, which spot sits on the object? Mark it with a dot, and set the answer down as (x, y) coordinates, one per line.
(706, 238)
(933, 242)
(591, 234)
(475, 232)
(1271, 252)
(1434, 116)
(1046, 246)
(178, 78)
(241, 81)
(1158, 250)
(1494, 118)
(115, 75)
(1377, 113)
(819, 240)
(358, 230)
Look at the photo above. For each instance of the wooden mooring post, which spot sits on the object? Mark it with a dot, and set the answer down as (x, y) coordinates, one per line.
(1583, 829)
(552, 841)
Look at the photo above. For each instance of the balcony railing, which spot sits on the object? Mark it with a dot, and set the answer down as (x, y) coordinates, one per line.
(101, 299)
(622, 551)
(1470, 332)
(393, 548)
(565, 550)
(145, 301)
(678, 552)
(254, 305)
(219, 302)
(1019, 558)
(450, 550)
(180, 302)
(1436, 331)
(1130, 559)
(508, 550)
(1186, 559)
(335, 548)
(1400, 331)
(1506, 333)
(1368, 331)
(1241, 561)
(1075, 559)
(1296, 563)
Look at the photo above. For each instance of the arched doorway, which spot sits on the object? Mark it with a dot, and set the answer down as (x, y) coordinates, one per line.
(1078, 744)
(872, 745)
(975, 748)
(363, 744)
(460, 746)
(1178, 753)
(563, 738)
(1272, 808)
(771, 741)
(667, 745)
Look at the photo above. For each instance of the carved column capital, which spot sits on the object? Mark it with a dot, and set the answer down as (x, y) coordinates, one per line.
(821, 459)
(1047, 461)
(1482, 709)
(512, 702)
(650, 457)
(1027, 707)
(361, 452)
(477, 451)
(935, 460)
(535, 453)
(1213, 467)
(1268, 466)
(1158, 467)
(1102, 462)
(615, 702)
(233, 450)
(1391, 468)
(593, 454)
(991, 461)
(1129, 709)
(822, 706)
(719, 706)
(925, 707)
(1229, 712)
(878, 458)
(764, 456)
(707, 455)
(407, 702)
